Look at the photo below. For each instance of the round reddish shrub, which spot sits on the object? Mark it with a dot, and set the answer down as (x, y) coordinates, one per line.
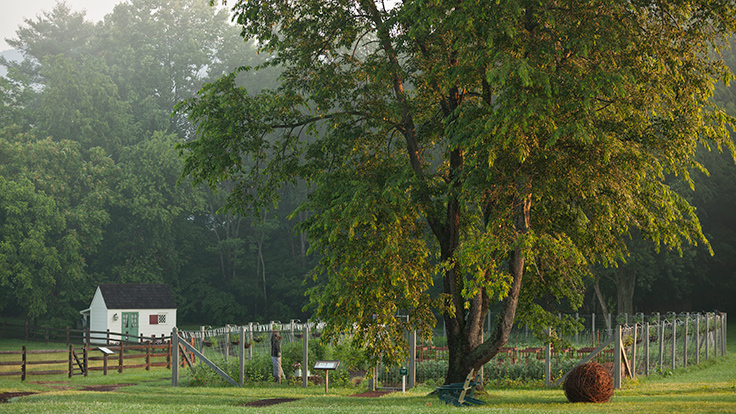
(589, 382)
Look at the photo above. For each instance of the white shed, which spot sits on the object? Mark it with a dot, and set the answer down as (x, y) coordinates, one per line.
(134, 310)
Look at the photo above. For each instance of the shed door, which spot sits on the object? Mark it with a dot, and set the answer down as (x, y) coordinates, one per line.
(130, 326)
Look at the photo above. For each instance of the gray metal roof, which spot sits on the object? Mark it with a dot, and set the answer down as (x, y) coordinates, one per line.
(137, 296)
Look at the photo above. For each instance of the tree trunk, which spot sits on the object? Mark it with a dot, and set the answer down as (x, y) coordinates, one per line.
(467, 350)
(604, 307)
(625, 285)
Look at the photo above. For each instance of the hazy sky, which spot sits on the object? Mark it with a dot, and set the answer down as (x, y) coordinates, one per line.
(14, 11)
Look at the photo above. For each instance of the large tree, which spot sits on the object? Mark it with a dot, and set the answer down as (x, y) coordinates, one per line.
(161, 51)
(507, 146)
(52, 216)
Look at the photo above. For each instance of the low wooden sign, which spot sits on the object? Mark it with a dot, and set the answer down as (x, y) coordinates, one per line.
(105, 350)
(327, 366)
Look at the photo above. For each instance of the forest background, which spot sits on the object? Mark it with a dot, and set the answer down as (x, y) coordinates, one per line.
(90, 188)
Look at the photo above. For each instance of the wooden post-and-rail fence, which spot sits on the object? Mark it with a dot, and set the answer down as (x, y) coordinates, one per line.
(78, 360)
(68, 336)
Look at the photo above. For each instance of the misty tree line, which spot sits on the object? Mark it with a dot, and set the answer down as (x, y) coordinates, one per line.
(89, 171)
(90, 187)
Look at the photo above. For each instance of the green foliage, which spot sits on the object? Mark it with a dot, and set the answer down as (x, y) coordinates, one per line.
(431, 371)
(76, 186)
(80, 102)
(351, 357)
(526, 371)
(37, 255)
(87, 118)
(258, 370)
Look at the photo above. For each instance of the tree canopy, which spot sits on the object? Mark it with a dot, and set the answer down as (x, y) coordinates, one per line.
(498, 149)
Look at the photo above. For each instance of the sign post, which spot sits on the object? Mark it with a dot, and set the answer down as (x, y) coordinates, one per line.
(403, 372)
(327, 366)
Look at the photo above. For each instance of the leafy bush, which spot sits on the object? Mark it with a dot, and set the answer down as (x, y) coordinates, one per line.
(431, 371)
(291, 354)
(256, 370)
(525, 370)
(351, 358)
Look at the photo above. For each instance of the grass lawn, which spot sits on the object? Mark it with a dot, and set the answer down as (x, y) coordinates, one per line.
(707, 388)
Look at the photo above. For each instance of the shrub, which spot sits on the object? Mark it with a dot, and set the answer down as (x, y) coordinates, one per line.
(525, 370)
(431, 371)
(351, 357)
(256, 370)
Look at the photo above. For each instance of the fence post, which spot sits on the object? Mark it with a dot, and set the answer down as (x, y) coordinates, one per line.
(85, 360)
(120, 358)
(23, 364)
(646, 348)
(548, 359)
(707, 335)
(201, 340)
(413, 359)
(617, 358)
(148, 356)
(168, 354)
(633, 350)
(674, 342)
(174, 357)
(593, 328)
(104, 363)
(250, 340)
(193, 342)
(716, 337)
(697, 339)
(687, 334)
(227, 342)
(305, 356)
(660, 338)
(241, 365)
(71, 367)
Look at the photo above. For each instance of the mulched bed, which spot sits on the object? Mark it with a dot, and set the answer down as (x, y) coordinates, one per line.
(5, 396)
(266, 403)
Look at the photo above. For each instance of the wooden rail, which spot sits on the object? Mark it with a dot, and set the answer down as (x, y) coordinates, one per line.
(70, 336)
(77, 361)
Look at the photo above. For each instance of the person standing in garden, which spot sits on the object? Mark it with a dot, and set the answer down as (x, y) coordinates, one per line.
(276, 355)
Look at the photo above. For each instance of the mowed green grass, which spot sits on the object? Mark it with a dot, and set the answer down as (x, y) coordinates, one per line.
(707, 388)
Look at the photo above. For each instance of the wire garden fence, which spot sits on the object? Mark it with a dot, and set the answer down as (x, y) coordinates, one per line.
(651, 343)
(223, 341)
(640, 344)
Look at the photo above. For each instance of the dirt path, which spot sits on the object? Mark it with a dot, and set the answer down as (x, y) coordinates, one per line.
(266, 403)
(5, 396)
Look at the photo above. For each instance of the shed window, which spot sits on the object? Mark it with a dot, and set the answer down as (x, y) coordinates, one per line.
(157, 319)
